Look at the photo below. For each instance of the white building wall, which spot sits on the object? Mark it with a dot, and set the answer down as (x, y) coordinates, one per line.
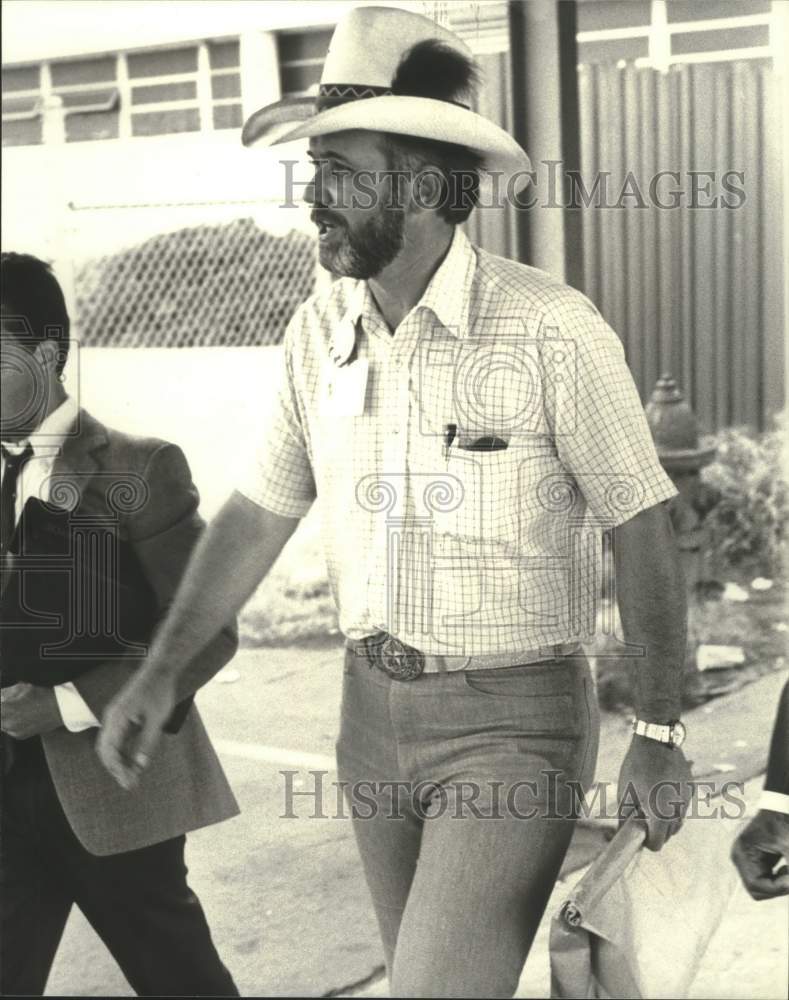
(57, 29)
(99, 190)
(212, 402)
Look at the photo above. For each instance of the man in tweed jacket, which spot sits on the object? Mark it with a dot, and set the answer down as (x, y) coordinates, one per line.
(70, 834)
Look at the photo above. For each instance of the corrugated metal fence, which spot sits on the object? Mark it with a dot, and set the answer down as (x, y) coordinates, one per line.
(696, 291)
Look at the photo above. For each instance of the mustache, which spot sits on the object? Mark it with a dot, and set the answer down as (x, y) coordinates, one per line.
(323, 215)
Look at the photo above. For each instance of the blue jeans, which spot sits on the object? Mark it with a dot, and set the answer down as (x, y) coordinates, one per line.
(461, 790)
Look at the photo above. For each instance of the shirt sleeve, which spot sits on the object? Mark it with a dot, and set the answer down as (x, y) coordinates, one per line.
(775, 802)
(279, 473)
(599, 426)
(74, 711)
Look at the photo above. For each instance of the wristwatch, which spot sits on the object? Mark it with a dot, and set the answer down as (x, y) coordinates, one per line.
(673, 733)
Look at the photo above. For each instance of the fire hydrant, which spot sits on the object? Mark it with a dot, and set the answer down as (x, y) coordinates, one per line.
(683, 455)
(676, 435)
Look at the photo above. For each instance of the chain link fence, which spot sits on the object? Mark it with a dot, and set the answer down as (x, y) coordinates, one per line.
(206, 275)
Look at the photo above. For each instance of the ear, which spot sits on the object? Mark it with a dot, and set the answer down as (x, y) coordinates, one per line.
(48, 355)
(428, 188)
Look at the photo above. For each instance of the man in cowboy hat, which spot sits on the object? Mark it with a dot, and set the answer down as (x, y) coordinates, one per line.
(461, 418)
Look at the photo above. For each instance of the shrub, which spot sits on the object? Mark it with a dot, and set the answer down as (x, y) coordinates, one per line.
(748, 516)
(294, 603)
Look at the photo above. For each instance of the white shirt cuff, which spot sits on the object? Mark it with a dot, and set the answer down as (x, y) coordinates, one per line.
(74, 712)
(775, 802)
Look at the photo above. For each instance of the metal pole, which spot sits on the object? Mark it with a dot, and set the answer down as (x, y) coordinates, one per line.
(543, 55)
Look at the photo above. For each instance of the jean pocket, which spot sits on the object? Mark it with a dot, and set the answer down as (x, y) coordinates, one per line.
(500, 684)
(531, 702)
(542, 681)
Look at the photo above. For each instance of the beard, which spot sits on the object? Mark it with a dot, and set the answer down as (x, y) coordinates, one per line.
(364, 252)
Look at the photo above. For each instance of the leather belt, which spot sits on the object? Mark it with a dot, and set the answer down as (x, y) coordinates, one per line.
(405, 663)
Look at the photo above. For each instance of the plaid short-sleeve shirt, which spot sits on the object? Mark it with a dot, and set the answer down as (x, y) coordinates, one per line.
(500, 433)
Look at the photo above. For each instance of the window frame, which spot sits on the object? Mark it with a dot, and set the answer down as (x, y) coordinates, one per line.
(117, 93)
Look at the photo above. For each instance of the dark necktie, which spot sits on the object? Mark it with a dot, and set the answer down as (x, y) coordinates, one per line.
(13, 466)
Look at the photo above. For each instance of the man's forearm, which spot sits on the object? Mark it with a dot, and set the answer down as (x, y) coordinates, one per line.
(653, 608)
(233, 555)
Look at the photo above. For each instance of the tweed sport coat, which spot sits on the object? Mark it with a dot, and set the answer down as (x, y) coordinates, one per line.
(144, 485)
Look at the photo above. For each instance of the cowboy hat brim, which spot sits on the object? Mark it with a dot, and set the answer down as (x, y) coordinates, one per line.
(265, 126)
(421, 117)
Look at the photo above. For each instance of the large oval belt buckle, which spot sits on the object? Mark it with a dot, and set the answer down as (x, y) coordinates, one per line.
(400, 661)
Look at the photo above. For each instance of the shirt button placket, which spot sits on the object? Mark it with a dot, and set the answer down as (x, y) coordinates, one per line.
(387, 472)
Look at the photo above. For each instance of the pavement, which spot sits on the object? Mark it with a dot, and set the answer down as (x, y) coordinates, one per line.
(282, 886)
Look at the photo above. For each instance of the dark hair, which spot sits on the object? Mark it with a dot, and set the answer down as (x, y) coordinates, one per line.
(457, 166)
(30, 290)
(441, 72)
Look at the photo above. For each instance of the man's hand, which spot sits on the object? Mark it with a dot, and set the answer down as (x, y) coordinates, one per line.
(757, 851)
(655, 783)
(133, 723)
(27, 710)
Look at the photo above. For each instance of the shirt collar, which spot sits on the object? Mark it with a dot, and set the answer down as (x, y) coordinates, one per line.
(447, 295)
(362, 306)
(51, 432)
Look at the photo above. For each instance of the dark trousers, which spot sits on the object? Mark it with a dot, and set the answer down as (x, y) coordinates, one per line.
(138, 902)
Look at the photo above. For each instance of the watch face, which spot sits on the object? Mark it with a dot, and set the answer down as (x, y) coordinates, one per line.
(677, 734)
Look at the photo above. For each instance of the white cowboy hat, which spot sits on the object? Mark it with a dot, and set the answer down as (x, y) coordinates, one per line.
(377, 76)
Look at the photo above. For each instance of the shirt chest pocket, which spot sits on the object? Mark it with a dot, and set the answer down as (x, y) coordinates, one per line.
(481, 496)
(490, 492)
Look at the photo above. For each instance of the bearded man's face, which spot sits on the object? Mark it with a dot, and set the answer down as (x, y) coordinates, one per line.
(360, 218)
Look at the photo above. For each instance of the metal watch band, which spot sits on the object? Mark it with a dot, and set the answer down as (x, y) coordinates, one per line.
(652, 730)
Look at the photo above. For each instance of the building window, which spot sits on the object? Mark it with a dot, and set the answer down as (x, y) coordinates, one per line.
(225, 66)
(162, 87)
(301, 58)
(187, 88)
(90, 96)
(660, 34)
(22, 123)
